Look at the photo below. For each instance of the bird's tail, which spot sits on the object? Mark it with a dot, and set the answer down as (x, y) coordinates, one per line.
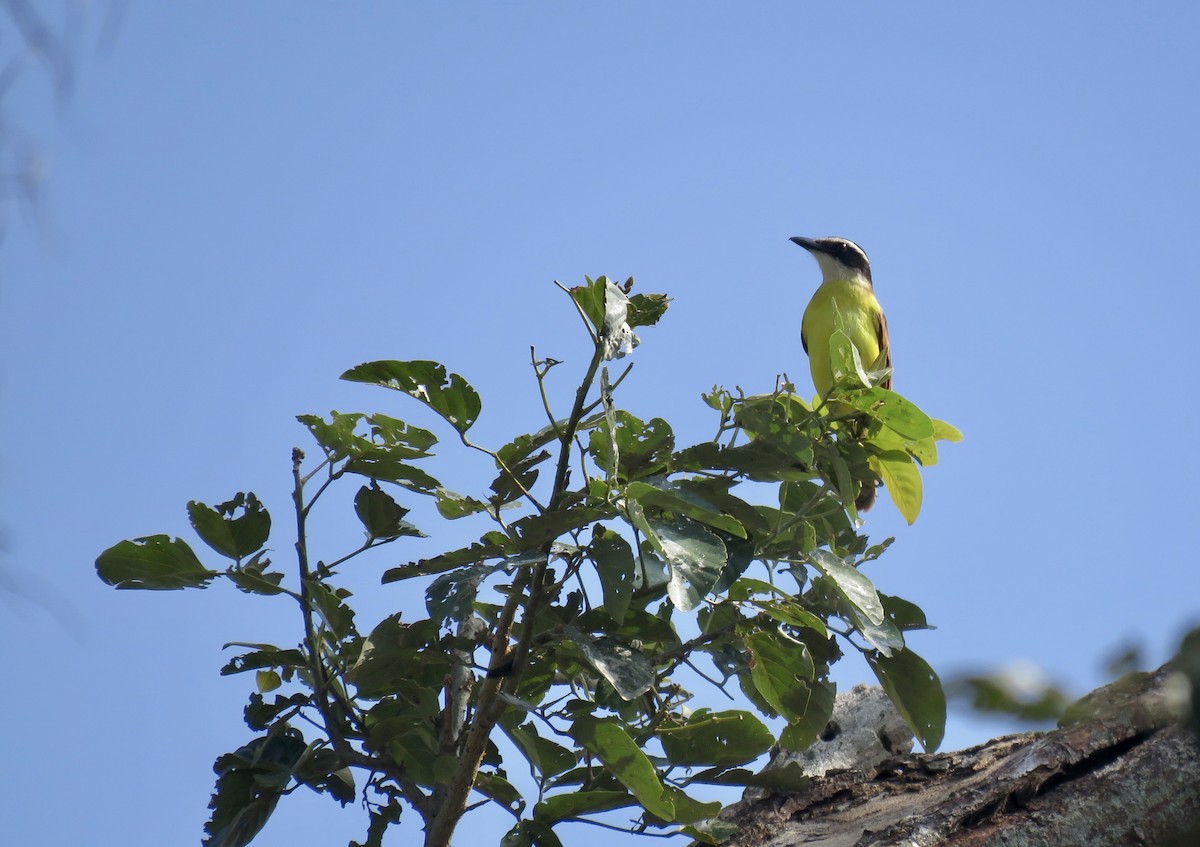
(866, 496)
(869, 491)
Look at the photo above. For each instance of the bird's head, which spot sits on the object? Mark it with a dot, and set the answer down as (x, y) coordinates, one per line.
(839, 258)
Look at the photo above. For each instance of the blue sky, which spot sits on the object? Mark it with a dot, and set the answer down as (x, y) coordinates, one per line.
(244, 201)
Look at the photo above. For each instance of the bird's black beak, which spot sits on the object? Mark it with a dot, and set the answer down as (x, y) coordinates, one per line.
(807, 243)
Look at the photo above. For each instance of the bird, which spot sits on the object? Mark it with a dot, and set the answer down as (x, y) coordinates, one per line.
(846, 289)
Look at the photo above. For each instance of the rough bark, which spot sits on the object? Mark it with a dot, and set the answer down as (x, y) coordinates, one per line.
(1124, 771)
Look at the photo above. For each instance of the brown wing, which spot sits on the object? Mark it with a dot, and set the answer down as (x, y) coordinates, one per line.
(885, 348)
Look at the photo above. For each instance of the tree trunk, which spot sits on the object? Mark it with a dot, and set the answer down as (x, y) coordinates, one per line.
(1124, 771)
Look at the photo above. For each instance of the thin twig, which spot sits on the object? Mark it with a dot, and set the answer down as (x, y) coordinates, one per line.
(540, 373)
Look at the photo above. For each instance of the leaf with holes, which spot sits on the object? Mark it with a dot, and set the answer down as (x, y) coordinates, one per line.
(448, 394)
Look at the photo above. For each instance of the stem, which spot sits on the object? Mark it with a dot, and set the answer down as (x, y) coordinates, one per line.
(321, 681)
(316, 666)
(450, 801)
(540, 373)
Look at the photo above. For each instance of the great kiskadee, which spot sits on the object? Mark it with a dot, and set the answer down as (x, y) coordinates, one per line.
(845, 289)
(847, 286)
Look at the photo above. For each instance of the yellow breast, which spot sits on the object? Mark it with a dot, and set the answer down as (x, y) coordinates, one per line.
(856, 303)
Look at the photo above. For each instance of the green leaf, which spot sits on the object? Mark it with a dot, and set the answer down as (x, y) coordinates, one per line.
(628, 670)
(530, 833)
(155, 562)
(249, 785)
(453, 506)
(647, 309)
(382, 516)
(264, 656)
(695, 557)
(380, 463)
(616, 568)
(252, 577)
(916, 691)
(714, 493)
(524, 445)
(894, 411)
(336, 436)
(234, 538)
(783, 423)
(324, 772)
(340, 440)
(330, 602)
(711, 831)
(801, 733)
(669, 497)
(791, 612)
(757, 457)
(548, 759)
(845, 361)
(535, 530)
(884, 637)
(655, 634)
(578, 803)
(621, 756)
(688, 809)
(780, 668)
(516, 478)
(719, 739)
(498, 789)
(402, 658)
(449, 395)
(402, 440)
(905, 615)
(452, 595)
(493, 545)
(590, 300)
(789, 778)
(746, 587)
(643, 447)
(1016, 692)
(902, 480)
(851, 584)
(943, 431)
(382, 817)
